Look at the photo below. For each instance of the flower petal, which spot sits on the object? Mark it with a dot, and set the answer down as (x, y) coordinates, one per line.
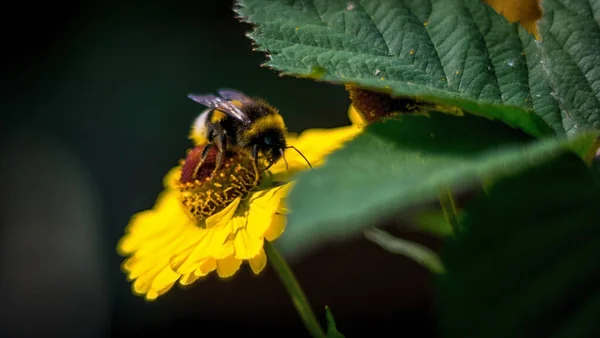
(263, 205)
(155, 252)
(315, 145)
(245, 246)
(153, 294)
(356, 117)
(188, 278)
(142, 226)
(171, 179)
(164, 278)
(153, 227)
(223, 217)
(226, 251)
(129, 243)
(227, 267)
(276, 228)
(258, 263)
(181, 262)
(190, 243)
(206, 267)
(159, 252)
(203, 269)
(143, 283)
(168, 240)
(218, 227)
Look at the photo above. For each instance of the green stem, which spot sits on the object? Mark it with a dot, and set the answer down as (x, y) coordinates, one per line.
(413, 250)
(293, 288)
(447, 203)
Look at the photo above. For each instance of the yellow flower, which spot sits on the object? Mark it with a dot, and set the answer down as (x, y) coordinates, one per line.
(199, 226)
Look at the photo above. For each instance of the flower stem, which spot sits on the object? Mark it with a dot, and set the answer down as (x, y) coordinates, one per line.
(447, 203)
(292, 286)
(413, 250)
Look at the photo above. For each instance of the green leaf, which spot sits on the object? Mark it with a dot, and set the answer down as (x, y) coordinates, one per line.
(450, 52)
(449, 209)
(570, 50)
(401, 163)
(526, 261)
(415, 251)
(432, 222)
(332, 331)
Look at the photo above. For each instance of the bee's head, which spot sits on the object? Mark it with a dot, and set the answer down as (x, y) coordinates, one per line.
(270, 143)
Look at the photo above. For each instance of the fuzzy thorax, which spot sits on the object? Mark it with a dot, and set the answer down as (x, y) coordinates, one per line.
(264, 123)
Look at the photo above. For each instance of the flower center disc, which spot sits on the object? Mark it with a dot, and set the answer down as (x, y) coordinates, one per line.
(205, 194)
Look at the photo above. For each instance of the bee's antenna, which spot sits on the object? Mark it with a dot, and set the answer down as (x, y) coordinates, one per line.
(284, 160)
(298, 151)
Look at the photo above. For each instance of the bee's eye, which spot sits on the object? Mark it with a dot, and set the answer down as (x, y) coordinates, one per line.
(267, 140)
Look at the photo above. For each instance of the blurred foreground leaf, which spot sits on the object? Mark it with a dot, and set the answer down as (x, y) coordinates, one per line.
(401, 163)
(526, 261)
(451, 52)
(332, 331)
(432, 222)
(415, 251)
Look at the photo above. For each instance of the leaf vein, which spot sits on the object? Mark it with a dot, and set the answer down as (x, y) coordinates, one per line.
(487, 53)
(387, 45)
(528, 75)
(587, 80)
(317, 11)
(437, 53)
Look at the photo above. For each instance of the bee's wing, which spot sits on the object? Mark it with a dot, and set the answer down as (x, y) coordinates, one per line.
(233, 95)
(221, 104)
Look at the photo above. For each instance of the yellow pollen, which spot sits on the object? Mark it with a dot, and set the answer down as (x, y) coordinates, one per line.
(208, 193)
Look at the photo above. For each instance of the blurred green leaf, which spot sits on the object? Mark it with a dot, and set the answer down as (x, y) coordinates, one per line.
(415, 251)
(332, 331)
(401, 163)
(433, 222)
(525, 263)
(449, 209)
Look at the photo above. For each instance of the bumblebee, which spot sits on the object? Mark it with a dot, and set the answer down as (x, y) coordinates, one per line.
(234, 119)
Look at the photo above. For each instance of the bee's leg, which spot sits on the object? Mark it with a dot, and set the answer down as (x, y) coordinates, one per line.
(255, 163)
(269, 165)
(221, 142)
(210, 135)
(203, 156)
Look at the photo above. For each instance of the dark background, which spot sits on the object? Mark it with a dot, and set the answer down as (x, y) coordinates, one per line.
(94, 113)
